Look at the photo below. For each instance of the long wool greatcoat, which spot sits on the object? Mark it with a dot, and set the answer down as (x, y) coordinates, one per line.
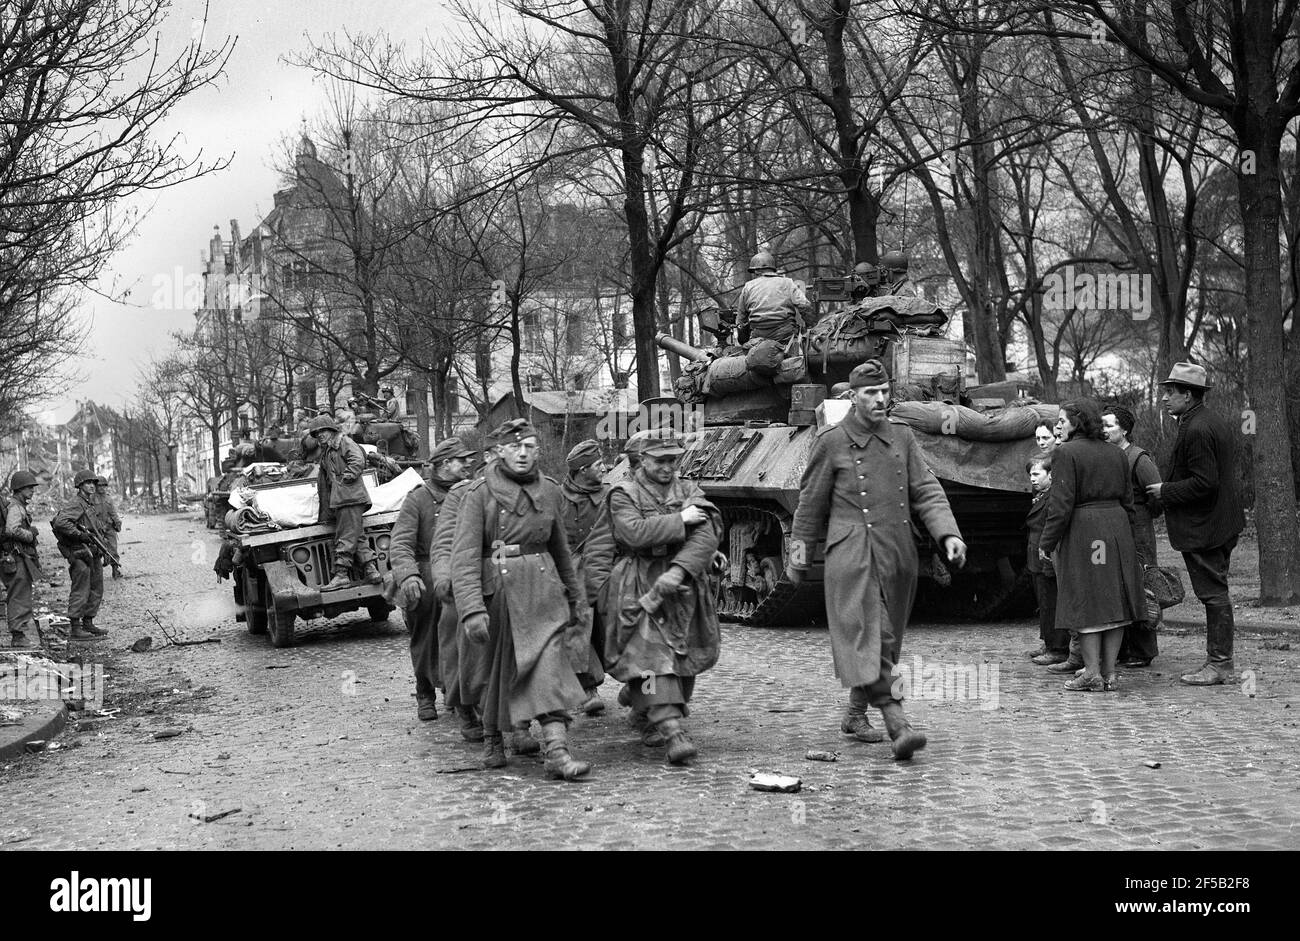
(457, 656)
(648, 536)
(1090, 528)
(410, 550)
(585, 635)
(1202, 509)
(860, 489)
(527, 597)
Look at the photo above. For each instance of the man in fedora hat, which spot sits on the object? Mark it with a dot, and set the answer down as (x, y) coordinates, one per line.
(865, 479)
(1202, 509)
(344, 501)
(76, 528)
(409, 559)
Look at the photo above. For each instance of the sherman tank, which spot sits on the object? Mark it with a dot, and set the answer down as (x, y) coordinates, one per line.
(747, 449)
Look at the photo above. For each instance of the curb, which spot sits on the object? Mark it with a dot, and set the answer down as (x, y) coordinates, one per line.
(47, 722)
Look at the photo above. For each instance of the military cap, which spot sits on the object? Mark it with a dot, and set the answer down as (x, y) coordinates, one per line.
(84, 477)
(322, 423)
(514, 431)
(22, 479)
(662, 442)
(634, 443)
(449, 448)
(1188, 374)
(869, 374)
(101, 481)
(584, 454)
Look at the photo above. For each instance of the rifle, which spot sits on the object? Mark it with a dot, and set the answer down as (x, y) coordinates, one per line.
(99, 544)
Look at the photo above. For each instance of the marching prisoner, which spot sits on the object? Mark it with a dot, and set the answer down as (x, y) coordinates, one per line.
(865, 479)
(584, 494)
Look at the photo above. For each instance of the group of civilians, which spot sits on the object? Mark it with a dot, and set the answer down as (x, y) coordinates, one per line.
(1091, 533)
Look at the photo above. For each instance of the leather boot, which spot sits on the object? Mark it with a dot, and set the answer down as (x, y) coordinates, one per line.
(471, 727)
(521, 742)
(426, 706)
(906, 739)
(1219, 666)
(90, 625)
(559, 763)
(859, 726)
(117, 571)
(370, 575)
(680, 748)
(650, 734)
(494, 750)
(77, 632)
(625, 696)
(341, 579)
(18, 640)
(593, 705)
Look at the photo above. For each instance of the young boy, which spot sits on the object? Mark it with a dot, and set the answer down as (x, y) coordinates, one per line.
(1055, 644)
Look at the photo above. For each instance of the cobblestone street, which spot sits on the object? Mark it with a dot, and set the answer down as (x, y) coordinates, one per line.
(318, 746)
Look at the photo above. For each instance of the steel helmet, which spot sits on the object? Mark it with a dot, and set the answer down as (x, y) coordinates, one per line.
(763, 261)
(22, 479)
(864, 269)
(85, 477)
(896, 261)
(322, 423)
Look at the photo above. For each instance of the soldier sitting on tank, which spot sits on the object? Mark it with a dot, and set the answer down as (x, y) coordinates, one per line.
(771, 305)
(893, 278)
(865, 281)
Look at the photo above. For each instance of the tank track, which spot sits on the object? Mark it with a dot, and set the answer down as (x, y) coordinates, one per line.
(787, 605)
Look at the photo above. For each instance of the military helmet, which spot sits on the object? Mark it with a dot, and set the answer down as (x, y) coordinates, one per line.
(85, 477)
(322, 423)
(864, 269)
(763, 261)
(896, 261)
(22, 479)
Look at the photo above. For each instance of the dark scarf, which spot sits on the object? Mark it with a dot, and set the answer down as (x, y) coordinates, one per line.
(521, 479)
(573, 484)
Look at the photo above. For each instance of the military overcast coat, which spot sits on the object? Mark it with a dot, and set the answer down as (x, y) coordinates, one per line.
(859, 491)
(412, 536)
(649, 536)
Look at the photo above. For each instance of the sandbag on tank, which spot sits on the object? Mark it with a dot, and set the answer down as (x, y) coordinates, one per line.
(732, 374)
(1008, 424)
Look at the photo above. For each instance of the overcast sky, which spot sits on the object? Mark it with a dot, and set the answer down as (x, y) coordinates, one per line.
(259, 100)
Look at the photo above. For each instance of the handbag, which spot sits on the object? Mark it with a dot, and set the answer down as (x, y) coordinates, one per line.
(1162, 588)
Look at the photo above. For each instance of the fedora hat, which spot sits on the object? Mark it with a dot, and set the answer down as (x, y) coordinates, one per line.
(1188, 374)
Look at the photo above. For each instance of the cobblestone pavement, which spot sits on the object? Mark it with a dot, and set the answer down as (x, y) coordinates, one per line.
(318, 746)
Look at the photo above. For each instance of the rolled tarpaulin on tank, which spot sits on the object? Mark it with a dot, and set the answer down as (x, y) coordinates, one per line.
(1007, 424)
(732, 374)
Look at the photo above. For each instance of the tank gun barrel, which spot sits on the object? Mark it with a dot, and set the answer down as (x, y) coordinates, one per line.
(684, 350)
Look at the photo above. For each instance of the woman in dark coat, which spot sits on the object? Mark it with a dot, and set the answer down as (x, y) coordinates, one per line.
(1140, 646)
(1089, 528)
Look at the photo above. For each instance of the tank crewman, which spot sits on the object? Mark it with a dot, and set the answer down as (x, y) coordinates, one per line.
(659, 603)
(864, 512)
(517, 593)
(344, 501)
(110, 524)
(76, 527)
(409, 558)
(770, 305)
(584, 493)
(19, 561)
(893, 277)
(865, 280)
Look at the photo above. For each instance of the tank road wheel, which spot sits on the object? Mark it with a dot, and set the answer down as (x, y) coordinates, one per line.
(378, 610)
(280, 625)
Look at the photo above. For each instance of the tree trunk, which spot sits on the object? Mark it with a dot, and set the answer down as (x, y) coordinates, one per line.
(1275, 506)
(419, 384)
(862, 204)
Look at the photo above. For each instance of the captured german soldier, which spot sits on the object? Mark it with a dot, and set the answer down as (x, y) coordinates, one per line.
(409, 559)
(659, 603)
(76, 527)
(344, 501)
(517, 593)
(865, 478)
(584, 494)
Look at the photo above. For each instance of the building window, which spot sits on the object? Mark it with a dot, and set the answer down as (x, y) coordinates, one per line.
(535, 382)
(573, 326)
(529, 329)
(412, 402)
(307, 396)
(579, 382)
(621, 379)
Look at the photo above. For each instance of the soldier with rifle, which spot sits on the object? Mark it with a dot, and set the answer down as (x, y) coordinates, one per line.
(19, 562)
(76, 527)
(110, 524)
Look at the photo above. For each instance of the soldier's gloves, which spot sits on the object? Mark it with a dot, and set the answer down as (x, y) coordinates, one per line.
(476, 628)
(349, 478)
(411, 591)
(442, 589)
(794, 576)
(84, 555)
(671, 580)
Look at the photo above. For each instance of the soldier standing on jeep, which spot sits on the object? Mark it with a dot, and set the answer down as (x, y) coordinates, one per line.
(344, 500)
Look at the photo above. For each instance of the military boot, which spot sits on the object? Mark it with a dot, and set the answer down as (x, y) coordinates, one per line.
(89, 624)
(426, 706)
(680, 748)
(18, 640)
(494, 750)
(370, 574)
(341, 579)
(859, 726)
(593, 705)
(559, 763)
(77, 632)
(906, 739)
(117, 571)
(521, 742)
(471, 727)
